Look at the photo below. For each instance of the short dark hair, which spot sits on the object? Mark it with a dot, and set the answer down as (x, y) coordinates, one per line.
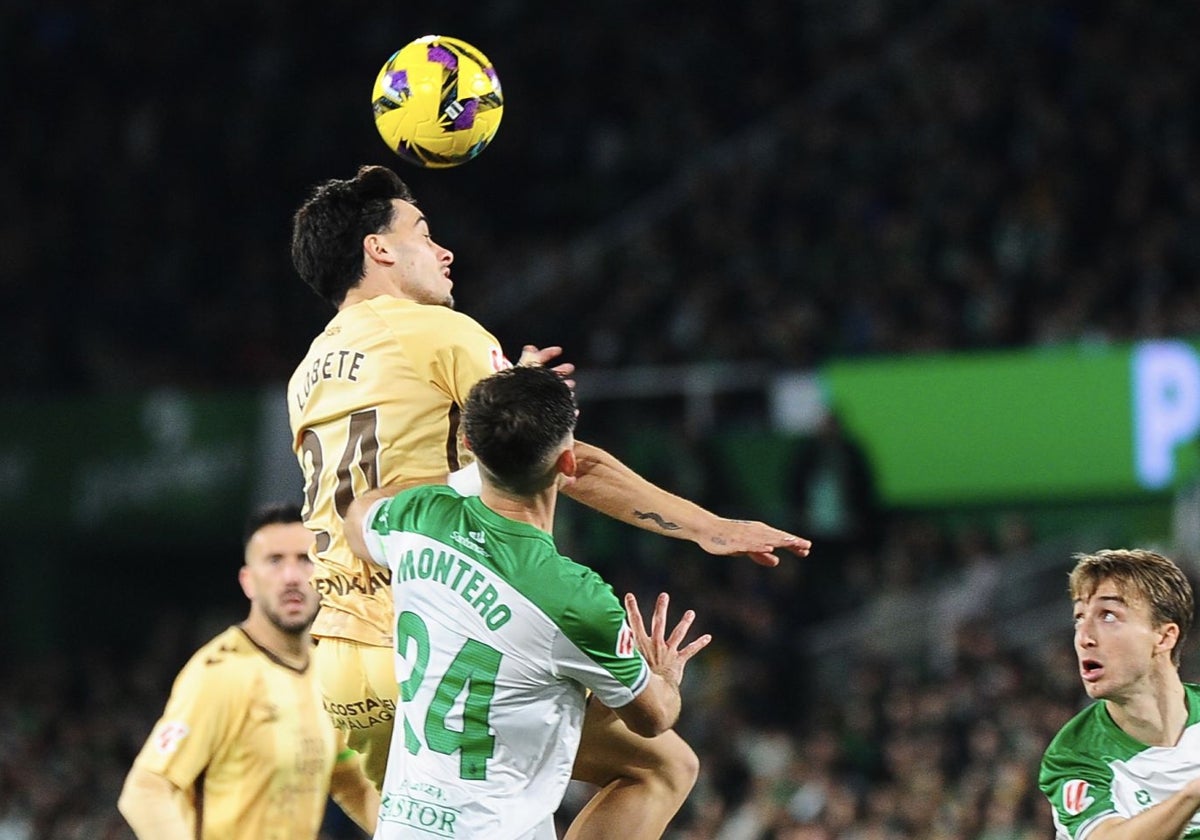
(1143, 576)
(275, 513)
(328, 229)
(514, 421)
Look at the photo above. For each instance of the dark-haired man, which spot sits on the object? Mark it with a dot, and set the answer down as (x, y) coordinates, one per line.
(244, 748)
(499, 636)
(377, 401)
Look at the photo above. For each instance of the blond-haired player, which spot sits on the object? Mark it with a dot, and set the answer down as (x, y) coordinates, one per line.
(1128, 766)
(243, 748)
(376, 403)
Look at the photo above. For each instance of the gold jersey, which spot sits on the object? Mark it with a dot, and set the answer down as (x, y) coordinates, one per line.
(376, 401)
(246, 739)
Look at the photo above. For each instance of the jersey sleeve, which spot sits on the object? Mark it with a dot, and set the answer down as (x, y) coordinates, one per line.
(199, 717)
(1079, 787)
(371, 533)
(595, 645)
(463, 354)
(396, 513)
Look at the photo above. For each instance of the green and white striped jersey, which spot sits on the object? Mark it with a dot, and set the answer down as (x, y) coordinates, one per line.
(497, 636)
(1093, 770)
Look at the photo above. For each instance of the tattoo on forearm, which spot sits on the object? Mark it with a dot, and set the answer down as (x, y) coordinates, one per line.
(720, 541)
(658, 520)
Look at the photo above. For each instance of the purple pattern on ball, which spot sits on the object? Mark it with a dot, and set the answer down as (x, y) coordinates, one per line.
(467, 118)
(441, 55)
(397, 82)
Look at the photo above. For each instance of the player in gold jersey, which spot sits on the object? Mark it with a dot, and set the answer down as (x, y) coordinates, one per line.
(244, 748)
(375, 403)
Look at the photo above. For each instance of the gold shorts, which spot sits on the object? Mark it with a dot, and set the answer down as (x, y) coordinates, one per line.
(359, 685)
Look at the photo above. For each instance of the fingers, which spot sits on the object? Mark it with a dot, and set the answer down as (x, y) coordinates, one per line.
(756, 540)
(635, 617)
(764, 558)
(531, 355)
(797, 545)
(695, 647)
(681, 629)
(658, 622)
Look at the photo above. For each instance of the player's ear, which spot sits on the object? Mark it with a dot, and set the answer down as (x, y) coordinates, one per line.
(566, 463)
(376, 250)
(246, 581)
(1168, 638)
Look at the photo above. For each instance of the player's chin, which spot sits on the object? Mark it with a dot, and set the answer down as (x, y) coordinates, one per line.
(295, 620)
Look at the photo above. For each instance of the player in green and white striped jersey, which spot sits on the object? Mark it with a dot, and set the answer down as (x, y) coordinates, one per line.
(1128, 767)
(498, 635)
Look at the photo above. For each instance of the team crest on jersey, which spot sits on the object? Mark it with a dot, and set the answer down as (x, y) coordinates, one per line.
(625, 645)
(169, 736)
(1075, 797)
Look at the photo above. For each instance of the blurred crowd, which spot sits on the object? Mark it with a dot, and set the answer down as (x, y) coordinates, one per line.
(785, 180)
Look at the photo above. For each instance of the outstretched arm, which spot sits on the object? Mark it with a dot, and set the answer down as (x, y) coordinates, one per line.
(1166, 820)
(607, 485)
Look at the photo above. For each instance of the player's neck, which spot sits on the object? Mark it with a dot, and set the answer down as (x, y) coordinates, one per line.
(370, 287)
(537, 511)
(365, 291)
(292, 649)
(1154, 713)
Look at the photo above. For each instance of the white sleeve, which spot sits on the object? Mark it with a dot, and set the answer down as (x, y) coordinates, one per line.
(466, 482)
(371, 537)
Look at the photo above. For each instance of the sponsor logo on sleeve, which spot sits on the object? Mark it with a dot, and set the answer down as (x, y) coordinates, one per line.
(169, 736)
(1075, 797)
(625, 645)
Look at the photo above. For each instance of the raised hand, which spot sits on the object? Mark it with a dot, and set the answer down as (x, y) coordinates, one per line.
(531, 355)
(664, 655)
(757, 540)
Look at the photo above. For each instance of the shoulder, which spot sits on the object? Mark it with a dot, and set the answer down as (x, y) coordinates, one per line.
(569, 593)
(415, 500)
(219, 666)
(1085, 727)
(419, 317)
(1080, 744)
(422, 508)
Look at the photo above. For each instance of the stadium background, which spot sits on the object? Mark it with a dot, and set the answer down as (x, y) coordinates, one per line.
(731, 217)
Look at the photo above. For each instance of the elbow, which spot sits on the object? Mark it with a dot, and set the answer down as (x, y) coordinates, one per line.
(127, 801)
(649, 721)
(652, 729)
(123, 805)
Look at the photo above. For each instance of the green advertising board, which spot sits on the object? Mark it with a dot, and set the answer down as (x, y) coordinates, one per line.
(1066, 424)
(163, 467)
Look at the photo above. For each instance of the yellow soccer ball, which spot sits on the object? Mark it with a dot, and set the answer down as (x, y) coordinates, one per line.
(437, 102)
